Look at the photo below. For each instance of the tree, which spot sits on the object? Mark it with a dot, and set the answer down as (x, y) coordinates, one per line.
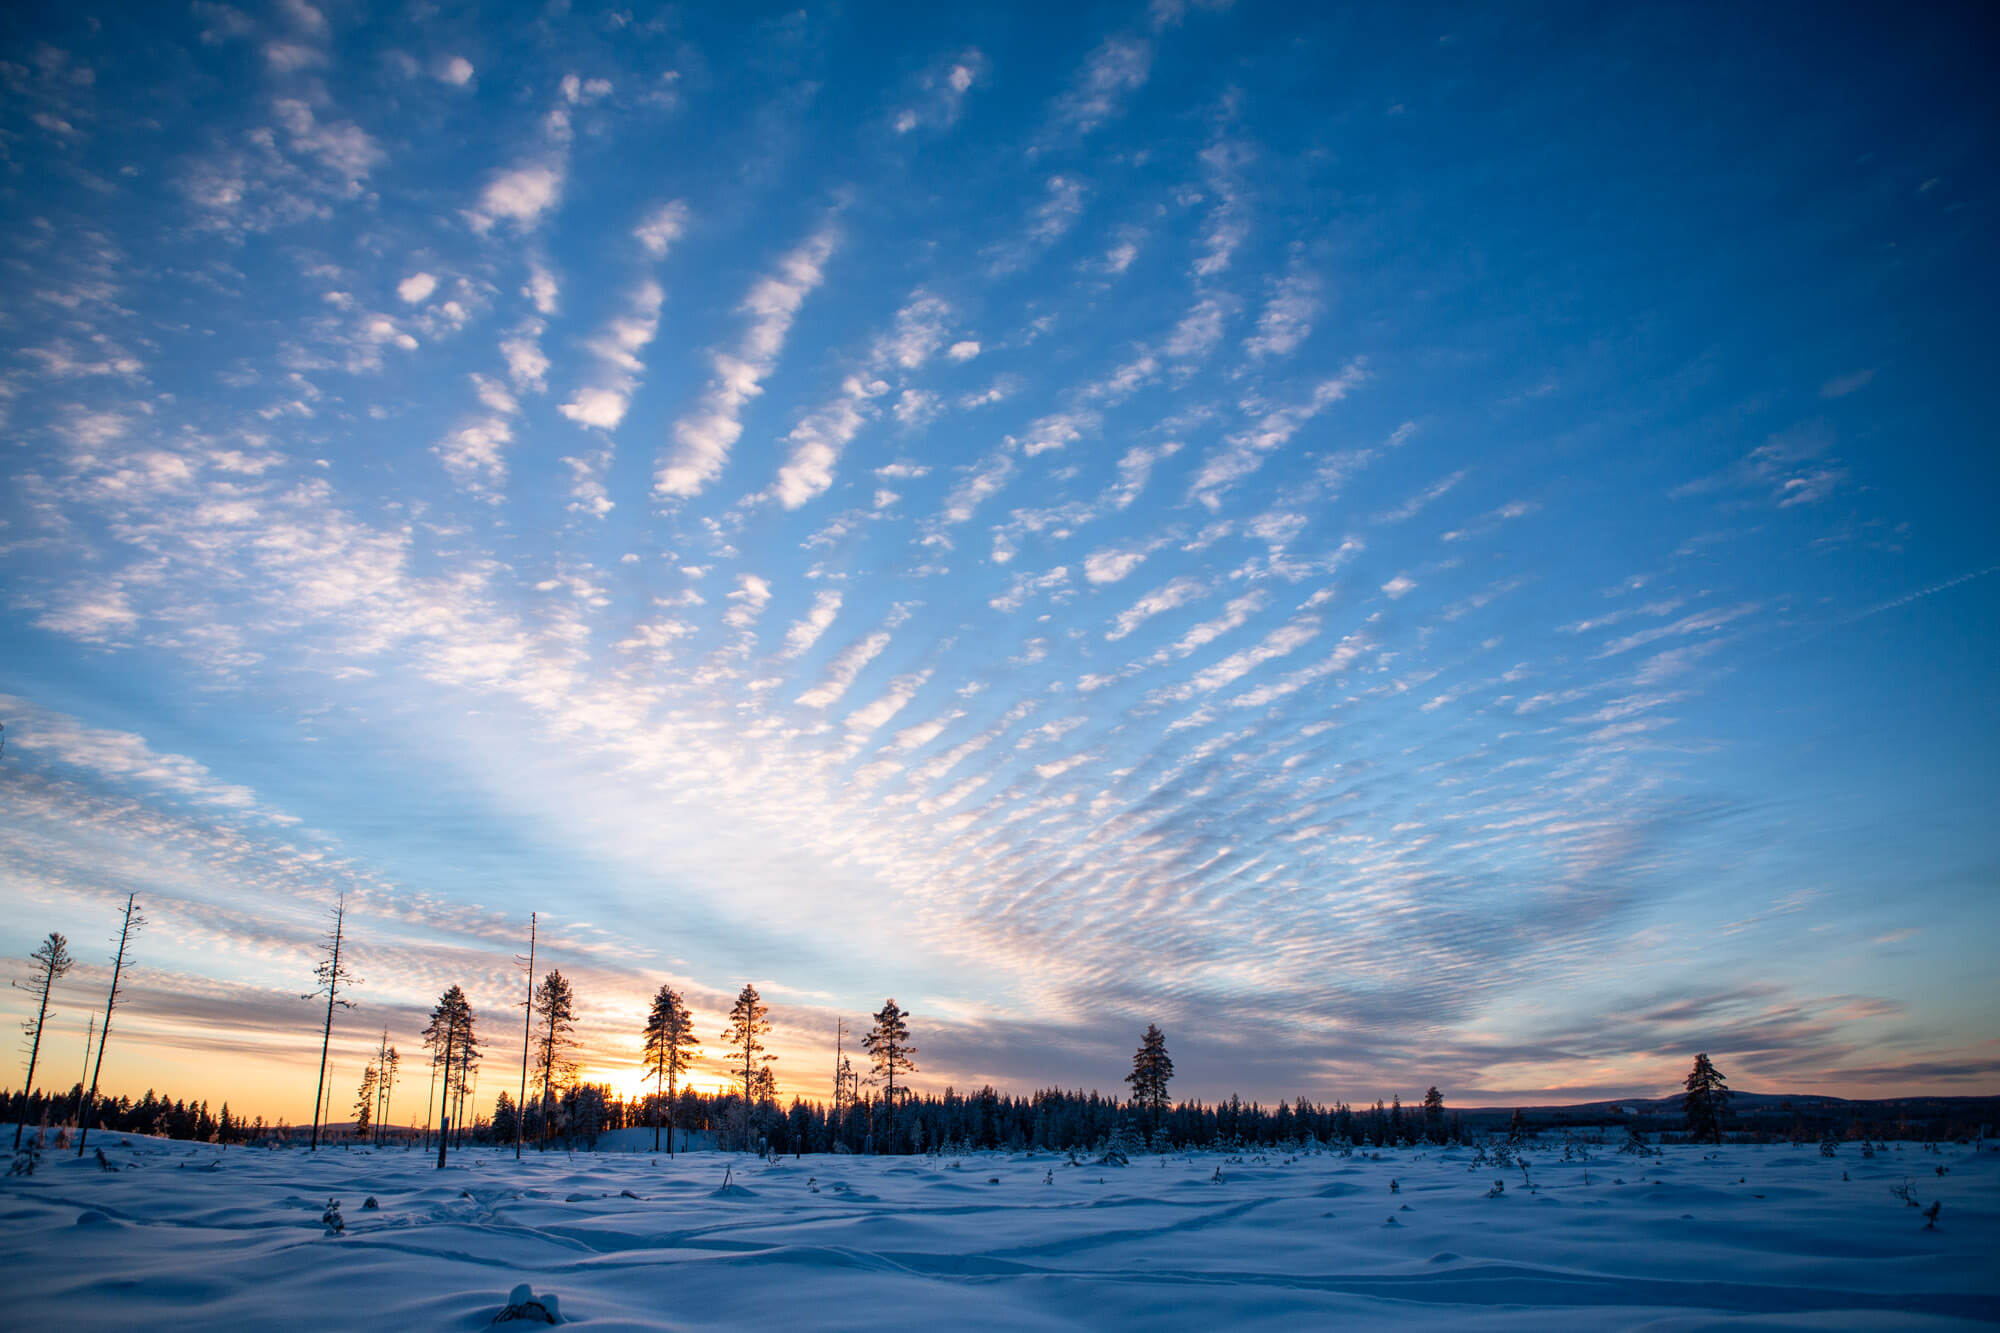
(1706, 1100)
(1434, 1112)
(331, 975)
(552, 1064)
(670, 1046)
(449, 1036)
(52, 961)
(888, 1043)
(749, 1022)
(1152, 1067)
(134, 922)
(386, 1062)
(527, 1030)
(364, 1102)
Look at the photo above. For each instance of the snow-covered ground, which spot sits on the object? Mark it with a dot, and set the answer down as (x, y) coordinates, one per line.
(187, 1236)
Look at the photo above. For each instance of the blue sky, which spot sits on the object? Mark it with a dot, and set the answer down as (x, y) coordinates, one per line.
(1406, 546)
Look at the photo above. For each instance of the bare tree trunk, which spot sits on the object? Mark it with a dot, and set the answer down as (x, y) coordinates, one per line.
(326, 1036)
(527, 1030)
(89, 1035)
(132, 921)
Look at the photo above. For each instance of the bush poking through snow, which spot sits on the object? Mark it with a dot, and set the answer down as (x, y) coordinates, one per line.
(1906, 1192)
(334, 1223)
(1499, 1188)
(524, 1307)
(103, 1162)
(1931, 1215)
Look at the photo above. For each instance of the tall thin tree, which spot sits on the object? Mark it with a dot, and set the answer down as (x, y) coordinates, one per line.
(449, 1035)
(749, 1023)
(1152, 1067)
(134, 922)
(888, 1043)
(52, 961)
(386, 1061)
(527, 1030)
(558, 1006)
(89, 1035)
(670, 1044)
(331, 974)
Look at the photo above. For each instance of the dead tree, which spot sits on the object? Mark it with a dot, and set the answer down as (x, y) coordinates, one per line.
(331, 975)
(133, 923)
(52, 960)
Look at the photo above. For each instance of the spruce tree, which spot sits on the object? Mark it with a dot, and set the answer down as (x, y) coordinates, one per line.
(1152, 1067)
(364, 1102)
(1706, 1100)
(1434, 1112)
(670, 1046)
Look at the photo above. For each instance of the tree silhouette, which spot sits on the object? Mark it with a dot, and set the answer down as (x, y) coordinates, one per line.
(134, 922)
(749, 1023)
(670, 1045)
(52, 961)
(1705, 1101)
(1152, 1068)
(558, 1006)
(888, 1043)
(331, 974)
(364, 1101)
(449, 1035)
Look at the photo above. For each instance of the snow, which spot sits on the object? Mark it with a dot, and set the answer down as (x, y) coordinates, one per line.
(188, 1235)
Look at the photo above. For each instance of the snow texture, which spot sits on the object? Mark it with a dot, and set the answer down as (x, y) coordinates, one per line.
(187, 1235)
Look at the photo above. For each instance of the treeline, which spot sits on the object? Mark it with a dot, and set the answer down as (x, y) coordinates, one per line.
(165, 1117)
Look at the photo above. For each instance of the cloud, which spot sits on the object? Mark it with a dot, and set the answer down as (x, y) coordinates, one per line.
(1112, 73)
(662, 227)
(805, 633)
(702, 439)
(1242, 453)
(1174, 593)
(843, 670)
(1287, 317)
(520, 196)
(1842, 385)
(455, 70)
(416, 288)
(1111, 564)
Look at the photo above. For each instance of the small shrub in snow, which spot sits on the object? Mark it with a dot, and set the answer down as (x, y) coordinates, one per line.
(1931, 1215)
(1499, 1188)
(524, 1307)
(1905, 1192)
(369, 1203)
(103, 1162)
(1828, 1144)
(331, 1217)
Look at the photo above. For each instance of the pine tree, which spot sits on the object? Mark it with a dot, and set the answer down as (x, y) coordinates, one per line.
(450, 1037)
(557, 1005)
(1705, 1102)
(749, 1023)
(1152, 1068)
(670, 1046)
(888, 1043)
(364, 1102)
(52, 961)
(1434, 1112)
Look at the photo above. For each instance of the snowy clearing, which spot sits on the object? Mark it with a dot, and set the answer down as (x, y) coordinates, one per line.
(186, 1235)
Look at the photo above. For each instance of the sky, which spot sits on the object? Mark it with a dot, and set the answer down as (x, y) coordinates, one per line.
(1405, 545)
